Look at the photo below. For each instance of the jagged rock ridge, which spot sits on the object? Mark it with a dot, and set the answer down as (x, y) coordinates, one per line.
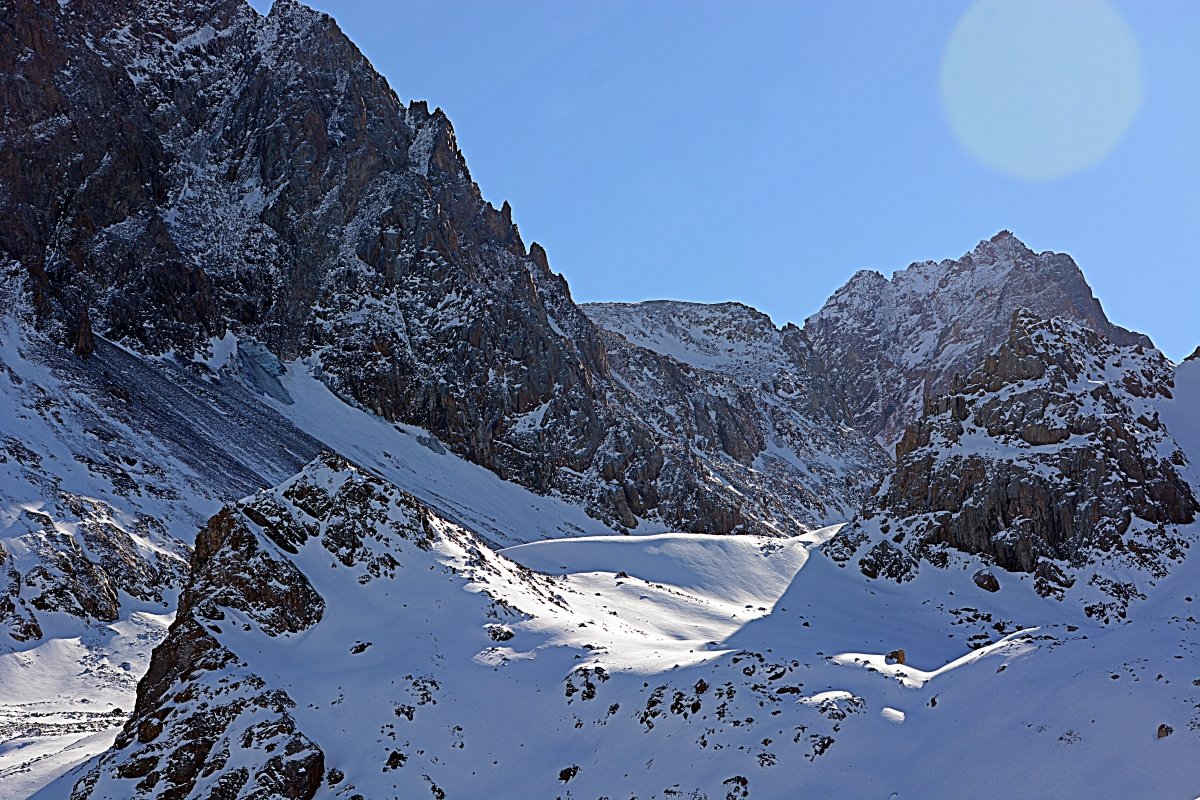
(887, 345)
(272, 683)
(172, 172)
(1051, 459)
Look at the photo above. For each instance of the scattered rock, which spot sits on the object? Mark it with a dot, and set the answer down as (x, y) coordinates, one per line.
(986, 580)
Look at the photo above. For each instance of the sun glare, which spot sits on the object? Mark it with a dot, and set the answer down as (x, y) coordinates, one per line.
(1041, 89)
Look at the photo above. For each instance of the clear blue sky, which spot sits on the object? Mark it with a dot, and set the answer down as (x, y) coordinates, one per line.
(764, 151)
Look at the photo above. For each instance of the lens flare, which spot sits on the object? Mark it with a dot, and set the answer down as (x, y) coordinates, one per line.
(1041, 89)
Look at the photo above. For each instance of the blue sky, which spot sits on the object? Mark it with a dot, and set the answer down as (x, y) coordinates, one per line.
(764, 151)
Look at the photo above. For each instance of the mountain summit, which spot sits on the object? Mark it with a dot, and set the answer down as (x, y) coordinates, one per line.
(174, 173)
(890, 344)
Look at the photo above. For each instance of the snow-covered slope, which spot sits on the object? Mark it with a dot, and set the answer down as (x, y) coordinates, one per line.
(1180, 412)
(729, 339)
(274, 680)
(413, 459)
(108, 468)
(272, 644)
(238, 254)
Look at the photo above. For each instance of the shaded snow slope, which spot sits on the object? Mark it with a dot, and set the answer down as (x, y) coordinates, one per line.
(64, 698)
(744, 569)
(1181, 414)
(413, 459)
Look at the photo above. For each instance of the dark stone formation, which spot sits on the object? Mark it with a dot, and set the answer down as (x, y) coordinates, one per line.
(1048, 459)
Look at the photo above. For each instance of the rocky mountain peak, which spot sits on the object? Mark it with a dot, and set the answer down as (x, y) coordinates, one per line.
(1003, 242)
(188, 171)
(1049, 458)
(890, 343)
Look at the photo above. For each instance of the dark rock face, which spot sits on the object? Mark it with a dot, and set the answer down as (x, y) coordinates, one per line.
(1048, 459)
(743, 399)
(82, 169)
(887, 345)
(171, 172)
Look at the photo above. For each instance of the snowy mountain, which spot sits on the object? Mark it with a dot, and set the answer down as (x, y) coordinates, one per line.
(111, 464)
(889, 344)
(1051, 459)
(745, 394)
(316, 482)
(176, 172)
(663, 666)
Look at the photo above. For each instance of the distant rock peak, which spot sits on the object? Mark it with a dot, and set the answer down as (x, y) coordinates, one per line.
(887, 344)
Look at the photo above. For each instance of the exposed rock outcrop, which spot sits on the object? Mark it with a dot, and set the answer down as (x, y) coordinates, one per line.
(212, 721)
(1049, 459)
(198, 707)
(744, 396)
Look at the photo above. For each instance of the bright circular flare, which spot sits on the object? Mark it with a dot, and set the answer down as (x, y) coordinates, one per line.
(1041, 89)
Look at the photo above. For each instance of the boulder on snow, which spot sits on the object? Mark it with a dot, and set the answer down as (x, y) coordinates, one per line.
(986, 580)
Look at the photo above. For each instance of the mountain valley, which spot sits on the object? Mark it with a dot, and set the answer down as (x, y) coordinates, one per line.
(316, 482)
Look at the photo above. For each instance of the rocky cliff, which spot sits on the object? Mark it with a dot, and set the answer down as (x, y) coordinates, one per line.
(1051, 459)
(887, 345)
(747, 396)
(174, 172)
